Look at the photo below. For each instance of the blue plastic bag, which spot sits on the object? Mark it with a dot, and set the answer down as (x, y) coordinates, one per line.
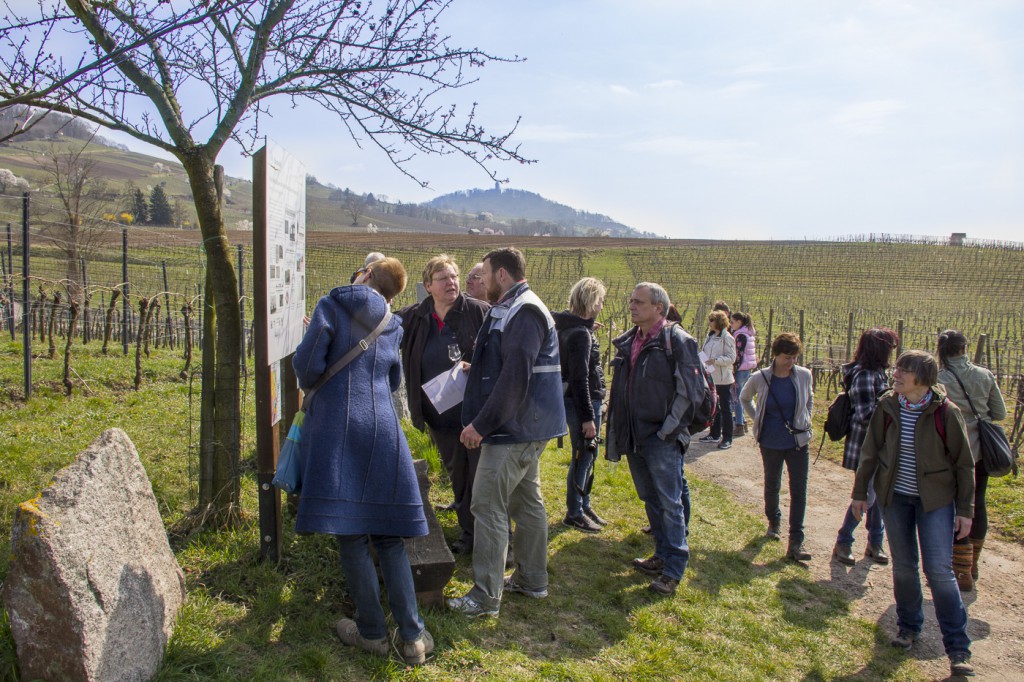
(288, 476)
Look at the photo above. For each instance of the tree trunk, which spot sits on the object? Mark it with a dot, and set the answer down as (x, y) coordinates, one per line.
(220, 439)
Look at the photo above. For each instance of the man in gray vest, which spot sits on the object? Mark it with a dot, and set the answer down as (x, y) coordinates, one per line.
(656, 385)
(512, 407)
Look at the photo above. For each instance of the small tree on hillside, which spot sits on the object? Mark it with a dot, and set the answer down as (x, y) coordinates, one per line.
(159, 207)
(354, 205)
(136, 204)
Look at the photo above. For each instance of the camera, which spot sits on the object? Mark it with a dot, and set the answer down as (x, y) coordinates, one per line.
(590, 444)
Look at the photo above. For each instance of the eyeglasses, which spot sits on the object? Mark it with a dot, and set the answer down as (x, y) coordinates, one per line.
(451, 277)
(473, 278)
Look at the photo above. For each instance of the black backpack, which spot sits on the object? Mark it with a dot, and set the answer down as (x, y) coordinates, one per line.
(706, 408)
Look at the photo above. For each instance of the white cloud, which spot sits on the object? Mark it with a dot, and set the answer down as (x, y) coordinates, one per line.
(553, 133)
(621, 90)
(867, 118)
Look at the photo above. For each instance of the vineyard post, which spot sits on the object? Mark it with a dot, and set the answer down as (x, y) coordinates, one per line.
(10, 272)
(24, 296)
(85, 300)
(979, 352)
(849, 339)
(126, 310)
(899, 335)
(168, 338)
(768, 343)
(800, 360)
(241, 308)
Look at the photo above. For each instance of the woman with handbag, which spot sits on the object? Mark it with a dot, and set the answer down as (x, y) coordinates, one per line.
(864, 380)
(782, 429)
(358, 481)
(974, 390)
(719, 355)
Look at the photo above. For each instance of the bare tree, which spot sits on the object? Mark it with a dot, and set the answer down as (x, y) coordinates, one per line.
(385, 68)
(74, 224)
(354, 205)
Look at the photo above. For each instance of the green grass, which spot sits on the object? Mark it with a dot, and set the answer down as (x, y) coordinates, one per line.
(743, 613)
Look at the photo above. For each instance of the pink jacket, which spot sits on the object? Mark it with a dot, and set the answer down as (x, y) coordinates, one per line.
(749, 359)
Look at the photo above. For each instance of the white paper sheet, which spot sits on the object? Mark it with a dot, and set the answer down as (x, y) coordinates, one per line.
(445, 391)
(703, 358)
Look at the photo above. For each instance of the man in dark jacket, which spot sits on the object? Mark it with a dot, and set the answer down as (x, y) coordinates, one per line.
(656, 386)
(512, 407)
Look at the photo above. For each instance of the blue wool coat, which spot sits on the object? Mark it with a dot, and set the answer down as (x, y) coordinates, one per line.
(358, 477)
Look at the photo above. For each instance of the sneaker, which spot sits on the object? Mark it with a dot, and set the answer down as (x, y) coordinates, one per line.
(663, 585)
(904, 639)
(470, 608)
(796, 552)
(592, 515)
(725, 445)
(960, 664)
(876, 554)
(709, 439)
(512, 586)
(418, 650)
(652, 566)
(843, 553)
(349, 633)
(773, 531)
(582, 523)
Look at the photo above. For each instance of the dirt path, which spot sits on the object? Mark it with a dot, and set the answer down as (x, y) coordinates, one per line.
(995, 608)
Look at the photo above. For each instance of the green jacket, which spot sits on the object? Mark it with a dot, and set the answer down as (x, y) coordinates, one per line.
(984, 392)
(944, 475)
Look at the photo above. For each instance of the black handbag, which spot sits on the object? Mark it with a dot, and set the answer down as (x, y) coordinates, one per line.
(995, 448)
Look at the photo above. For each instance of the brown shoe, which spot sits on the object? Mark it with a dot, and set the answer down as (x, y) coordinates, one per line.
(877, 554)
(663, 585)
(843, 553)
(650, 566)
(796, 552)
(349, 634)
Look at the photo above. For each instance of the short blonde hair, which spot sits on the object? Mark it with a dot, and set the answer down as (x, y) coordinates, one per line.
(585, 295)
(718, 319)
(437, 264)
(387, 276)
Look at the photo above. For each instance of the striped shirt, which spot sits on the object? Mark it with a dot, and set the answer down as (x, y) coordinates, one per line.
(906, 468)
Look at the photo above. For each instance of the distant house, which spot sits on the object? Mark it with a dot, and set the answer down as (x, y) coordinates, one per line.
(473, 230)
(957, 238)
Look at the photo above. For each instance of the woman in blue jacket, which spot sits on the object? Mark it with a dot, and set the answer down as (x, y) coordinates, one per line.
(358, 481)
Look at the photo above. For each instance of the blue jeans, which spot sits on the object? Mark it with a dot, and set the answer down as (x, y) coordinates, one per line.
(796, 461)
(577, 492)
(364, 588)
(737, 409)
(875, 526)
(657, 476)
(909, 524)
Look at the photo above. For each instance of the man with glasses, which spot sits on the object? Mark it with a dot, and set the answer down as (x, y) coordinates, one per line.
(656, 385)
(475, 283)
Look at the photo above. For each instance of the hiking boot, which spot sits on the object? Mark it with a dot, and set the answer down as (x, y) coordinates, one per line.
(877, 554)
(470, 608)
(651, 566)
(773, 531)
(663, 585)
(349, 633)
(963, 560)
(843, 553)
(708, 439)
(582, 523)
(512, 586)
(592, 515)
(739, 430)
(725, 445)
(796, 552)
(960, 664)
(418, 650)
(904, 639)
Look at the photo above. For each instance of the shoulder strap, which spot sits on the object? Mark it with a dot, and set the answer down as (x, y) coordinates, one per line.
(966, 394)
(940, 421)
(348, 357)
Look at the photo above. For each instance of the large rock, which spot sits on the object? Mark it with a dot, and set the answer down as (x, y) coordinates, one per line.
(93, 588)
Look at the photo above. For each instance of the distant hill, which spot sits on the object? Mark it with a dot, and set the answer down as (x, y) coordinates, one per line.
(516, 206)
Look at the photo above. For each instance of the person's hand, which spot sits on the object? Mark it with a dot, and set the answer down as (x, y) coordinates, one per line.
(859, 508)
(470, 437)
(465, 366)
(962, 527)
(589, 429)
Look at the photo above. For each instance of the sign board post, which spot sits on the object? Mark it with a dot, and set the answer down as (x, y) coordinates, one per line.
(279, 305)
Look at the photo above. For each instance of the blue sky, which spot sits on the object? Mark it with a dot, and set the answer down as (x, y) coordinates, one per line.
(733, 120)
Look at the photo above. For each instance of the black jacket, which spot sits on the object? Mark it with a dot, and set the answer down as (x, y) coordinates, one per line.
(656, 397)
(466, 317)
(581, 363)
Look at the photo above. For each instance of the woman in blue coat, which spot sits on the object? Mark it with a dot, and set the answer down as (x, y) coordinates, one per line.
(358, 482)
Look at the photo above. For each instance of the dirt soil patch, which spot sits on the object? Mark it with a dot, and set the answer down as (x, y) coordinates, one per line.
(995, 608)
